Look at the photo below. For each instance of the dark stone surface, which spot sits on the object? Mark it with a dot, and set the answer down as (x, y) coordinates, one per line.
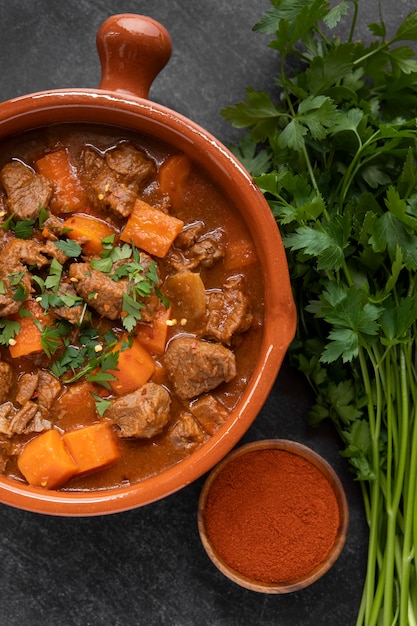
(147, 566)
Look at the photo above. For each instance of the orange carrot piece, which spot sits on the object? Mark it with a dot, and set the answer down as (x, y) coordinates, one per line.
(28, 339)
(173, 176)
(160, 376)
(45, 462)
(150, 229)
(134, 369)
(239, 253)
(89, 232)
(153, 336)
(68, 194)
(92, 447)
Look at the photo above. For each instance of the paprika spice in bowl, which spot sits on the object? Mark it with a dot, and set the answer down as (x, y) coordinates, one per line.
(273, 516)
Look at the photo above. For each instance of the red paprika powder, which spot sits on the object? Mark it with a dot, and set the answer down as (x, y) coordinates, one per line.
(271, 515)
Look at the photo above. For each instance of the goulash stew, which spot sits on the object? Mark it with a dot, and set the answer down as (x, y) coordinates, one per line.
(131, 307)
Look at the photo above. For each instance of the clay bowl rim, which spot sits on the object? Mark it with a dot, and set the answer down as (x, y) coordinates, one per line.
(142, 115)
(328, 471)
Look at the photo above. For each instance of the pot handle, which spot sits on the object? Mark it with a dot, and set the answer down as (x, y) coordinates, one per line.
(133, 49)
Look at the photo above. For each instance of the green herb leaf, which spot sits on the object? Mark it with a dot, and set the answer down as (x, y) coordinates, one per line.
(69, 247)
(8, 330)
(102, 404)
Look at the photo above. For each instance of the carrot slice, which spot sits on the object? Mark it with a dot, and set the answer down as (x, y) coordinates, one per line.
(45, 462)
(150, 229)
(153, 336)
(89, 232)
(173, 176)
(239, 253)
(68, 194)
(28, 339)
(92, 447)
(134, 369)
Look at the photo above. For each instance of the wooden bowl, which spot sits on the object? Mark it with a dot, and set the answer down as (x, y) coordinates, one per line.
(228, 525)
(132, 50)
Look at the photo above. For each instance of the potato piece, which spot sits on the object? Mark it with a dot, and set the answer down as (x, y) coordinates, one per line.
(187, 295)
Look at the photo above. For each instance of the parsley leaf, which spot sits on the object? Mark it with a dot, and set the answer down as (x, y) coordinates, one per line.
(8, 330)
(69, 247)
(102, 404)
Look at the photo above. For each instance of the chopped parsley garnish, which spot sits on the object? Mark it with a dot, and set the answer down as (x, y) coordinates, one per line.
(102, 404)
(132, 312)
(142, 279)
(51, 336)
(90, 357)
(80, 351)
(8, 330)
(69, 247)
(23, 229)
(19, 289)
(55, 273)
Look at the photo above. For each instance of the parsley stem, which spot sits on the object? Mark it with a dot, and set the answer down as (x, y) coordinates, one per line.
(354, 19)
(365, 57)
(310, 170)
(394, 492)
(354, 166)
(409, 546)
(374, 513)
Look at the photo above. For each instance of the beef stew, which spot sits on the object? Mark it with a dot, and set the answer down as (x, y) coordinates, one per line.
(130, 295)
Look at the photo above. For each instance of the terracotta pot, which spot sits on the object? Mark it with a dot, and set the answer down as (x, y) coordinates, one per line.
(133, 49)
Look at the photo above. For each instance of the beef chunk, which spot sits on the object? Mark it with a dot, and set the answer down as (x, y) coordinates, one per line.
(49, 389)
(228, 313)
(27, 385)
(143, 413)
(46, 386)
(189, 235)
(26, 420)
(51, 250)
(26, 191)
(194, 247)
(104, 294)
(16, 254)
(20, 421)
(115, 180)
(8, 305)
(4, 457)
(6, 380)
(71, 313)
(195, 367)
(30, 417)
(209, 412)
(53, 228)
(206, 252)
(5, 410)
(101, 292)
(186, 433)
(20, 252)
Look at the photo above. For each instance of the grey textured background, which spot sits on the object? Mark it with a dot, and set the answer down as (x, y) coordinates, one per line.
(147, 566)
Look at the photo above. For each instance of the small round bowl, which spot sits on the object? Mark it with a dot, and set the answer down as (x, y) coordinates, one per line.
(258, 527)
(133, 49)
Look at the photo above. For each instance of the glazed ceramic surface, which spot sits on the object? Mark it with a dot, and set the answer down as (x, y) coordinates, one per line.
(132, 50)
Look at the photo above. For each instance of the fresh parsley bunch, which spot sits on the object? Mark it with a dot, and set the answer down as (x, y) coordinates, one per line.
(333, 147)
